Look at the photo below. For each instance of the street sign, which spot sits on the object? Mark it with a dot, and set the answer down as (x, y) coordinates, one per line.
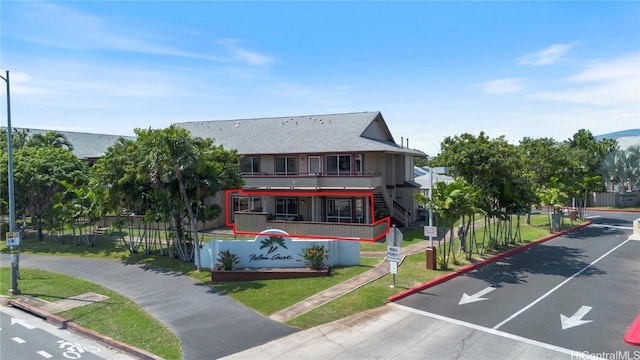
(430, 231)
(393, 253)
(13, 239)
(394, 237)
(393, 267)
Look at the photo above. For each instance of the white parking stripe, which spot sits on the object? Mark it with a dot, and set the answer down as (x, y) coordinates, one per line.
(558, 286)
(44, 354)
(18, 340)
(573, 353)
(612, 226)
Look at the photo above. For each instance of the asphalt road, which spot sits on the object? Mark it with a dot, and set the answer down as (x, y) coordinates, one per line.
(587, 282)
(23, 336)
(578, 292)
(210, 324)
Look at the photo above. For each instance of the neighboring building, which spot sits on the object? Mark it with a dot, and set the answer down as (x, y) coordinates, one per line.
(86, 146)
(323, 176)
(425, 179)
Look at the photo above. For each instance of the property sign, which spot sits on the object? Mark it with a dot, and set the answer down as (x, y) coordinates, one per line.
(393, 267)
(13, 239)
(393, 253)
(430, 231)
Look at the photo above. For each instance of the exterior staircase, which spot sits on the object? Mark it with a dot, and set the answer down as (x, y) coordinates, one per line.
(399, 216)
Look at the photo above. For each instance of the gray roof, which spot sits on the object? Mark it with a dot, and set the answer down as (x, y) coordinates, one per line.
(425, 182)
(333, 133)
(85, 145)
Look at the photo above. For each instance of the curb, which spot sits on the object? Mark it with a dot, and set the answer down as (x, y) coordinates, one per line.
(490, 260)
(613, 210)
(75, 328)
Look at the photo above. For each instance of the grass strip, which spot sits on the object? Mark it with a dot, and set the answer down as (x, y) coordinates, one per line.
(117, 317)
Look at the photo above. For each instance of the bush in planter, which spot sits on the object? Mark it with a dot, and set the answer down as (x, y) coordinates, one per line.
(314, 256)
(227, 260)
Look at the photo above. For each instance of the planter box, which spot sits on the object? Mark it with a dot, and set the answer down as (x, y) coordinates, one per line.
(265, 274)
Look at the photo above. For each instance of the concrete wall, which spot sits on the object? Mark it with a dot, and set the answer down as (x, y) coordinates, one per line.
(614, 199)
(257, 254)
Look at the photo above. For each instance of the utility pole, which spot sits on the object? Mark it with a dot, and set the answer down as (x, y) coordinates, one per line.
(14, 245)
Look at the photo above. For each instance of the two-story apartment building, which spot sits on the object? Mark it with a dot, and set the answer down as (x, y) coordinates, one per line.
(338, 176)
(319, 176)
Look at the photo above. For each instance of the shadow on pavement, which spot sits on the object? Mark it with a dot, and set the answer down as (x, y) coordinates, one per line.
(547, 260)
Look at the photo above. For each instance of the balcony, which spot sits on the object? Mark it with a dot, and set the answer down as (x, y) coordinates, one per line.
(256, 222)
(360, 181)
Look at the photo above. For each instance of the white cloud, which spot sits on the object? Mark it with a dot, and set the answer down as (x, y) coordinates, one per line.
(48, 24)
(610, 82)
(547, 56)
(502, 86)
(244, 55)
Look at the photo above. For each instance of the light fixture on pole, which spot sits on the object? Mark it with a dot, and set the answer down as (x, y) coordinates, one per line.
(12, 209)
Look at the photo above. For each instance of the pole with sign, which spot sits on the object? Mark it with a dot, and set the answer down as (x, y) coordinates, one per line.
(394, 243)
(13, 243)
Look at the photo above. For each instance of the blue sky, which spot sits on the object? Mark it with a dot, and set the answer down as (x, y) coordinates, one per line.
(434, 69)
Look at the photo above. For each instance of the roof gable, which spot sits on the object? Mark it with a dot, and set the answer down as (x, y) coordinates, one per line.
(378, 130)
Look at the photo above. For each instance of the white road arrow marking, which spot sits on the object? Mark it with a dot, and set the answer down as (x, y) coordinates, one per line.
(576, 319)
(23, 323)
(475, 297)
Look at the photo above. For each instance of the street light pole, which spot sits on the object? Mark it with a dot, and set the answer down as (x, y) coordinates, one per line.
(430, 201)
(12, 209)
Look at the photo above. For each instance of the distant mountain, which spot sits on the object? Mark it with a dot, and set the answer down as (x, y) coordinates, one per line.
(625, 138)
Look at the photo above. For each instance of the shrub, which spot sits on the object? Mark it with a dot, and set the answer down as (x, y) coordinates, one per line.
(314, 256)
(227, 260)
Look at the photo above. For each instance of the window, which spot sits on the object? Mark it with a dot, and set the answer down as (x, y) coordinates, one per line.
(315, 166)
(286, 165)
(245, 203)
(339, 164)
(360, 210)
(339, 210)
(359, 164)
(250, 165)
(286, 208)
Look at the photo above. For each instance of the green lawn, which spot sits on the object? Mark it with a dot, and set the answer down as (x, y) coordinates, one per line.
(121, 319)
(117, 317)
(411, 273)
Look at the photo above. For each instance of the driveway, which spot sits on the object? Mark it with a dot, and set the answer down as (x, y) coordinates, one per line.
(572, 297)
(211, 325)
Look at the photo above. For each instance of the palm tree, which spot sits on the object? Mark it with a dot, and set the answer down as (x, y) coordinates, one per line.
(622, 168)
(450, 201)
(553, 198)
(50, 138)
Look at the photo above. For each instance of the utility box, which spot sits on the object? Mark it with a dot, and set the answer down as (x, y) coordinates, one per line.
(431, 258)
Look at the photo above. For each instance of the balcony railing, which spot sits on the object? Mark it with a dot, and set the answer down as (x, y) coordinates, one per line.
(368, 181)
(256, 222)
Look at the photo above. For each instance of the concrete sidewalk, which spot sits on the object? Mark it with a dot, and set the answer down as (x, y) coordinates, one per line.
(348, 286)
